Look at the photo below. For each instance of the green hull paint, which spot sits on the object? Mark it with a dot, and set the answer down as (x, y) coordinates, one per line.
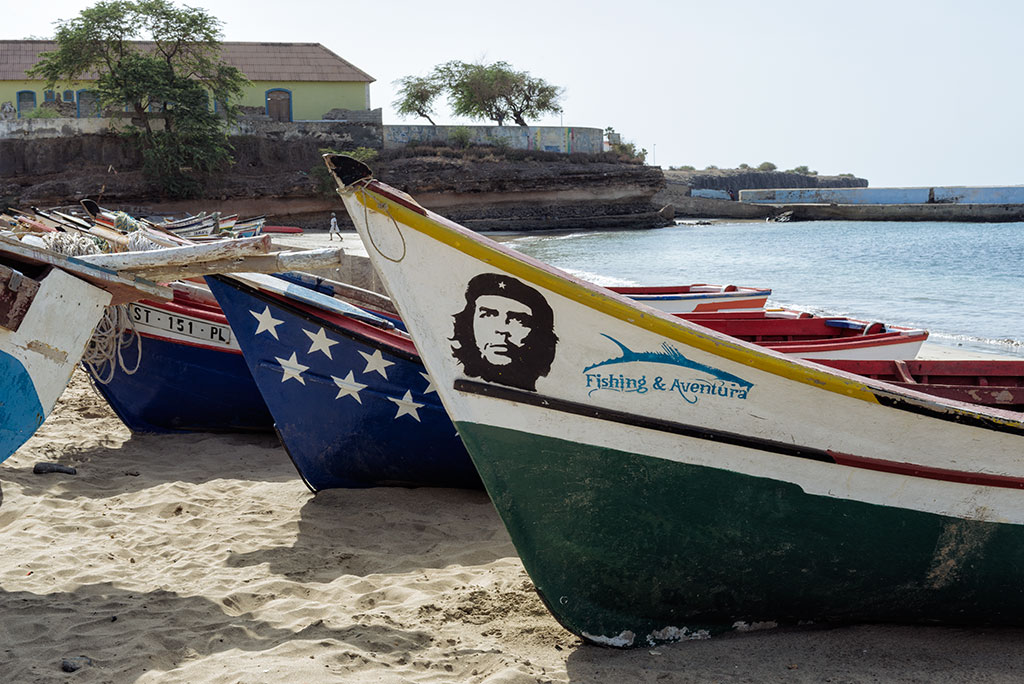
(620, 543)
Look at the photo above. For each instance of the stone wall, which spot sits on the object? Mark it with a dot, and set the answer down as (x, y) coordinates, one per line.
(564, 139)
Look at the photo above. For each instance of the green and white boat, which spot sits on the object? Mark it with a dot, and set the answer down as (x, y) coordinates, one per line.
(663, 482)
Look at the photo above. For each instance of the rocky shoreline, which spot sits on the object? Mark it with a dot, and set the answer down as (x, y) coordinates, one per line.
(278, 179)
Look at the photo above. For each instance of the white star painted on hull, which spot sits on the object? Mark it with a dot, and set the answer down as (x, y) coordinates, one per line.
(267, 322)
(348, 387)
(406, 406)
(430, 384)
(292, 369)
(320, 342)
(376, 362)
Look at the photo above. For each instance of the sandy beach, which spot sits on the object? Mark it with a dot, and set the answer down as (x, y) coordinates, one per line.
(204, 558)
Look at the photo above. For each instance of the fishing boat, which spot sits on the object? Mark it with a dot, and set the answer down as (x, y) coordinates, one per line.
(351, 400)
(698, 297)
(662, 481)
(182, 370)
(998, 382)
(815, 337)
(49, 305)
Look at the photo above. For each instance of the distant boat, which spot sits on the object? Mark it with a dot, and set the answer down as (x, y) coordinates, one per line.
(698, 297)
(664, 482)
(998, 383)
(282, 229)
(815, 337)
(351, 400)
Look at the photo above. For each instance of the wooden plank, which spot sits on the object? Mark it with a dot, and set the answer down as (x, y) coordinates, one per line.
(270, 263)
(123, 288)
(180, 256)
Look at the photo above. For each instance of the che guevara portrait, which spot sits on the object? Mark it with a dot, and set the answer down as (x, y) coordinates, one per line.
(505, 333)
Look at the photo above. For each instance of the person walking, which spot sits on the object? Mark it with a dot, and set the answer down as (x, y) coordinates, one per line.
(334, 227)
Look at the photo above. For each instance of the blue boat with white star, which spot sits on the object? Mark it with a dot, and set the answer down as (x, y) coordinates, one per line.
(351, 399)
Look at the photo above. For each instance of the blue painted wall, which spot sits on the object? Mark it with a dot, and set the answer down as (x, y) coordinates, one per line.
(710, 193)
(1011, 194)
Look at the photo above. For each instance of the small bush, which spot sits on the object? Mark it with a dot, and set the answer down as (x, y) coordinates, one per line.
(460, 137)
(41, 113)
(766, 167)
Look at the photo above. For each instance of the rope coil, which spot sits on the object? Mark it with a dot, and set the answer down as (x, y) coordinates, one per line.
(115, 331)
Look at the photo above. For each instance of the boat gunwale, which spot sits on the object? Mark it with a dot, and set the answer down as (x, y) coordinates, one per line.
(658, 322)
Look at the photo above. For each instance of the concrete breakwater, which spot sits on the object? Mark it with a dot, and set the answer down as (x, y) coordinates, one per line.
(852, 203)
(948, 203)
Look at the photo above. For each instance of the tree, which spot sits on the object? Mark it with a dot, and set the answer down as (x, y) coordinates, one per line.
(496, 91)
(803, 170)
(766, 166)
(170, 78)
(417, 95)
(626, 151)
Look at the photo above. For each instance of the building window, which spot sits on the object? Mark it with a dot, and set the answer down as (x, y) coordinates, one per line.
(279, 104)
(69, 96)
(88, 105)
(26, 102)
(49, 96)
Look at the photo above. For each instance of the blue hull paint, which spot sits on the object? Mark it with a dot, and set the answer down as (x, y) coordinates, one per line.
(21, 414)
(184, 388)
(343, 423)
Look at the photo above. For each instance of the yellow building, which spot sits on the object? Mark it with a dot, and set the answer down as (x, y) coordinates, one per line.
(290, 81)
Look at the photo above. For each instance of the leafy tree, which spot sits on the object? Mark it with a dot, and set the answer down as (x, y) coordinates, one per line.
(496, 91)
(803, 170)
(170, 78)
(417, 95)
(766, 167)
(625, 150)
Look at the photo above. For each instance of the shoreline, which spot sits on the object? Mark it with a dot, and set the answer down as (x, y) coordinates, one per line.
(204, 558)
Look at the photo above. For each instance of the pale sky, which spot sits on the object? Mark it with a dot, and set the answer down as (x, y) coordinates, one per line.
(901, 92)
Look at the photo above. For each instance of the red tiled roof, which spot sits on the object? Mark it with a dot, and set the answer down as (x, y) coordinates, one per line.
(258, 61)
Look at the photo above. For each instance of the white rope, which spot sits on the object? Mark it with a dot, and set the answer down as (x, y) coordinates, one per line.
(138, 241)
(116, 330)
(72, 244)
(113, 335)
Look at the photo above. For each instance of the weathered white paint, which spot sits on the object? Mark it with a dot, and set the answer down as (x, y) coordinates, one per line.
(52, 336)
(429, 278)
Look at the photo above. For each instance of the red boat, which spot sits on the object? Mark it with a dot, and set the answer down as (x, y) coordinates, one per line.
(815, 337)
(998, 383)
(697, 297)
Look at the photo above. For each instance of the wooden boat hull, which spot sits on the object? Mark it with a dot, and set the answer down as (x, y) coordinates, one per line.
(191, 375)
(366, 414)
(39, 356)
(698, 297)
(663, 482)
(998, 383)
(815, 337)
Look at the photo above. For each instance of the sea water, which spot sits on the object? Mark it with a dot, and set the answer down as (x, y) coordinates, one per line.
(963, 282)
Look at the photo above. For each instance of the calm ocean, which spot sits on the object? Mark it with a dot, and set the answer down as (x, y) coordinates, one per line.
(963, 282)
